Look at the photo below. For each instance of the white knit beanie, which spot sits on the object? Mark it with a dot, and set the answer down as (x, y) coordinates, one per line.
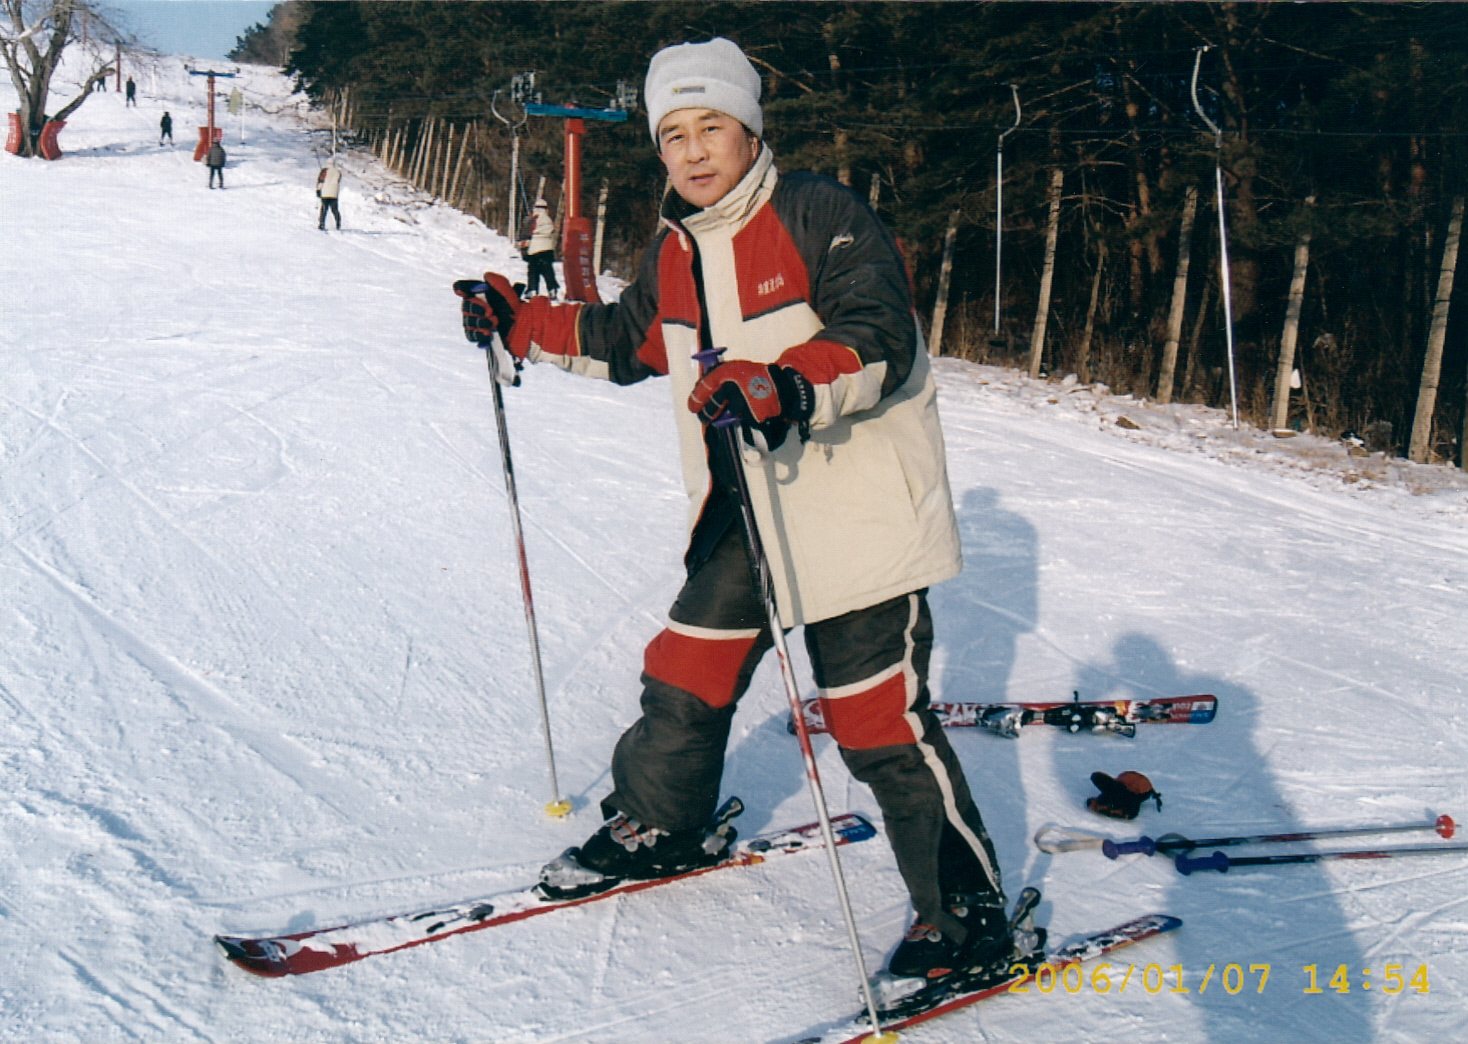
(713, 75)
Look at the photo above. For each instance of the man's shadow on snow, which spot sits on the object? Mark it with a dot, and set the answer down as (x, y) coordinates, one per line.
(979, 618)
(1215, 780)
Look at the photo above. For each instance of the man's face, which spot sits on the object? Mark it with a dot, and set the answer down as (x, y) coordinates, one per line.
(706, 153)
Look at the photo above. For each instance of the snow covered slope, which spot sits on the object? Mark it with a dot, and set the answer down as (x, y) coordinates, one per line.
(263, 662)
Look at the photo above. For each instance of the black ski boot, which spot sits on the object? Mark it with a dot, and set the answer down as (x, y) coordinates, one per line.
(927, 968)
(927, 953)
(626, 850)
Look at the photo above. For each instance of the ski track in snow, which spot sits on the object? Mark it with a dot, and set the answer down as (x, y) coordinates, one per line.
(263, 660)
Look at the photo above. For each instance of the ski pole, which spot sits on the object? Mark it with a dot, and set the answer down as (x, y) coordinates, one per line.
(1169, 843)
(1221, 861)
(498, 375)
(764, 581)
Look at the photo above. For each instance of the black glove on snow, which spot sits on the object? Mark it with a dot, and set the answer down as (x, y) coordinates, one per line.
(1122, 797)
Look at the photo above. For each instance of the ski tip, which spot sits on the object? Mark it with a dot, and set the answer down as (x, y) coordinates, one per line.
(558, 809)
(249, 955)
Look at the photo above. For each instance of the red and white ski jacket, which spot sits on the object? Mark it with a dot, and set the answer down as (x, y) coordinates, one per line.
(794, 270)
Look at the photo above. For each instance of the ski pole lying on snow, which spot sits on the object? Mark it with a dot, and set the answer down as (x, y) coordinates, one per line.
(764, 581)
(1167, 843)
(1057, 839)
(1221, 861)
(501, 372)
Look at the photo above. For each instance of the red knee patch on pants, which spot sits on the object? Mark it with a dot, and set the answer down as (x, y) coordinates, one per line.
(874, 717)
(709, 668)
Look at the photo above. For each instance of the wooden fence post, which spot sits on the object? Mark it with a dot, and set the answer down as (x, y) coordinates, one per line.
(1281, 416)
(1421, 445)
(1047, 274)
(940, 308)
(1168, 372)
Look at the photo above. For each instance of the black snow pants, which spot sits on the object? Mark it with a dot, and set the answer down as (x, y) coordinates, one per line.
(871, 669)
(542, 266)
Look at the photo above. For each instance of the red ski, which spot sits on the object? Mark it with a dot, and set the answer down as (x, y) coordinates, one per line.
(957, 995)
(303, 952)
(1006, 719)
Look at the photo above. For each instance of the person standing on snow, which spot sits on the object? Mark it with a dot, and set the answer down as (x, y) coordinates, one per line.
(165, 129)
(825, 367)
(539, 247)
(132, 94)
(214, 159)
(328, 188)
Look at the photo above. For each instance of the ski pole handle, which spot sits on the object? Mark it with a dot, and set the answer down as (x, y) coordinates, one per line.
(1144, 845)
(1186, 864)
(707, 360)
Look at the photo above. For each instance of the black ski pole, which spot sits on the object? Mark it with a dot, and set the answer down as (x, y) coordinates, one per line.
(1221, 861)
(501, 372)
(1169, 843)
(728, 426)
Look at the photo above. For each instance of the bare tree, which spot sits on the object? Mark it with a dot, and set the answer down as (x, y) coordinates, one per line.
(34, 40)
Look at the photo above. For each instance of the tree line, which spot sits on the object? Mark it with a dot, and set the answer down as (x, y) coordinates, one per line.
(1340, 139)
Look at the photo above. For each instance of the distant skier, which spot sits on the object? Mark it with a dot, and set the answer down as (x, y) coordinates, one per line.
(826, 373)
(132, 94)
(165, 129)
(214, 159)
(328, 189)
(539, 247)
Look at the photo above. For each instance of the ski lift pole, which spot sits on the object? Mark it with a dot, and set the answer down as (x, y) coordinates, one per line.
(999, 207)
(764, 580)
(1225, 280)
(520, 86)
(501, 371)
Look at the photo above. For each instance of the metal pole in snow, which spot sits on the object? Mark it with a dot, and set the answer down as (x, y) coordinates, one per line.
(764, 580)
(1224, 279)
(498, 358)
(999, 207)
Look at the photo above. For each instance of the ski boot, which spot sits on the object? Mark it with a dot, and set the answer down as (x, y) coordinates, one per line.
(626, 850)
(926, 968)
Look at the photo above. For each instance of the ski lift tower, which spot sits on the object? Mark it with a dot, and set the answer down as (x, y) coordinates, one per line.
(576, 228)
(210, 134)
(522, 91)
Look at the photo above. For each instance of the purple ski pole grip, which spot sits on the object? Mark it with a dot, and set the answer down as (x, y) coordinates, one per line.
(707, 360)
(1186, 864)
(1143, 844)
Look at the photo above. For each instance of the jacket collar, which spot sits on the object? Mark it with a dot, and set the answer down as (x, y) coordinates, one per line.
(735, 209)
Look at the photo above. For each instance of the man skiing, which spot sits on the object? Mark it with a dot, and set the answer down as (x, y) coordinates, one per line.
(165, 129)
(328, 189)
(824, 366)
(539, 247)
(132, 94)
(214, 159)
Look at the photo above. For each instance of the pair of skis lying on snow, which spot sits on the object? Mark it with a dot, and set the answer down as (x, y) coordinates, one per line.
(1120, 717)
(309, 951)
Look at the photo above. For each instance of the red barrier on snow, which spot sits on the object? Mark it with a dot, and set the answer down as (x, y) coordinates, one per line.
(50, 149)
(16, 135)
(203, 146)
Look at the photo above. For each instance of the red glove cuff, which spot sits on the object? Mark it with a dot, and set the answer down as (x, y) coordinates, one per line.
(552, 328)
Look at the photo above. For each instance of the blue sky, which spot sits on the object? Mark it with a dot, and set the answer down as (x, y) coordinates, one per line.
(202, 28)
